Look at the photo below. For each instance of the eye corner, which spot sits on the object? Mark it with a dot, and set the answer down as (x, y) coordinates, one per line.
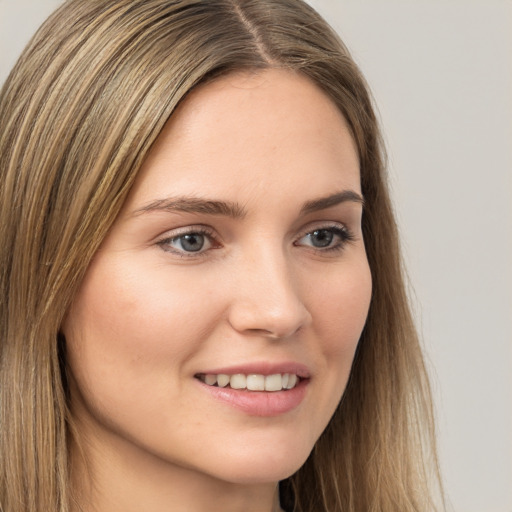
(326, 238)
(188, 242)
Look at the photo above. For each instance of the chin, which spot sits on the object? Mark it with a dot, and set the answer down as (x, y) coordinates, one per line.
(261, 467)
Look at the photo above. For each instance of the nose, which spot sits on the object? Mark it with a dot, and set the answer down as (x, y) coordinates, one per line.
(267, 300)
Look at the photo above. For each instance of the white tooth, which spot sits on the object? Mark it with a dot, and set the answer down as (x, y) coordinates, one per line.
(291, 381)
(210, 379)
(256, 382)
(284, 380)
(273, 382)
(238, 381)
(222, 380)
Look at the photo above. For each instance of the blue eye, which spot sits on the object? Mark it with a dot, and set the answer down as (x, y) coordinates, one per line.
(328, 238)
(188, 243)
(193, 242)
(321, 238)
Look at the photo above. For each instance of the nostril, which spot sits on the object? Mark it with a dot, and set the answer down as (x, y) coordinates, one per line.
(263, 332)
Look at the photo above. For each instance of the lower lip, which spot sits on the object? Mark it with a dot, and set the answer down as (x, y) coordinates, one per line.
(260, 403)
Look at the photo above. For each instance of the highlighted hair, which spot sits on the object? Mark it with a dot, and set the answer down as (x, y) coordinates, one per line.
(80, 111)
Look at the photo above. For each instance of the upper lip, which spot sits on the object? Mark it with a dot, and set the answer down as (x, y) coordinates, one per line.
(262, 368)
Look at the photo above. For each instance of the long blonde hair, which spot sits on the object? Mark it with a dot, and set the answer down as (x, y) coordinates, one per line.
(79, 112)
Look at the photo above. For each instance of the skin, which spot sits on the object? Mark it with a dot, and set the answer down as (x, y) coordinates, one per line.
(150, 316)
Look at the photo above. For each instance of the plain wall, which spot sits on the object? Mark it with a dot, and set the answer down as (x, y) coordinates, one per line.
(441, 73)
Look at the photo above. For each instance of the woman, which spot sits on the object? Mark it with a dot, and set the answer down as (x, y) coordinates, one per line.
(202, 297)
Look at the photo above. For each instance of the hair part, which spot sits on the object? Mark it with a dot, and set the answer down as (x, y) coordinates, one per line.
(80, 111)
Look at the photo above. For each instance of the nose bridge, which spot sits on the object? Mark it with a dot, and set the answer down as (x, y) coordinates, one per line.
(267, 299)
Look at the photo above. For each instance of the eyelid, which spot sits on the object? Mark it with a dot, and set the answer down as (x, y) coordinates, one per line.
(314, 226)
(341, 230)
(186, 230)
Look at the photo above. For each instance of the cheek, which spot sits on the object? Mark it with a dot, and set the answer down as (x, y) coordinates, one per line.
(130, 330)
(342, 303)
(341, 309)
(140, 311)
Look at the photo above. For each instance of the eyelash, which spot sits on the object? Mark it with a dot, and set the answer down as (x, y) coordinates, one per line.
(343, 234)
(191, 230)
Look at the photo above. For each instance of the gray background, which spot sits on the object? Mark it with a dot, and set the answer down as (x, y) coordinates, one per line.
(441, 73)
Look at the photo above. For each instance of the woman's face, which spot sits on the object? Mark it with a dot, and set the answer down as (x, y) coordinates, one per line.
(238, 257)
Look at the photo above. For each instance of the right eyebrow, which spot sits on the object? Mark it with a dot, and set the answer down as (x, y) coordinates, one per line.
(194, 205)
(332, 200)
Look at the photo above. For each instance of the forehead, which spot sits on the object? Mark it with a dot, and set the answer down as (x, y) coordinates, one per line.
(252, 129)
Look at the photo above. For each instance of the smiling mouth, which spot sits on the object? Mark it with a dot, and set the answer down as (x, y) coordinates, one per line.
(251, 382)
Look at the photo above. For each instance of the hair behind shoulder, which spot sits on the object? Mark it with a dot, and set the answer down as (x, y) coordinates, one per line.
(80, 111)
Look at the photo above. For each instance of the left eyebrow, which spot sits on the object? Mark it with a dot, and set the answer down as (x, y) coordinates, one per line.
(331, 200)
(188, 204)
